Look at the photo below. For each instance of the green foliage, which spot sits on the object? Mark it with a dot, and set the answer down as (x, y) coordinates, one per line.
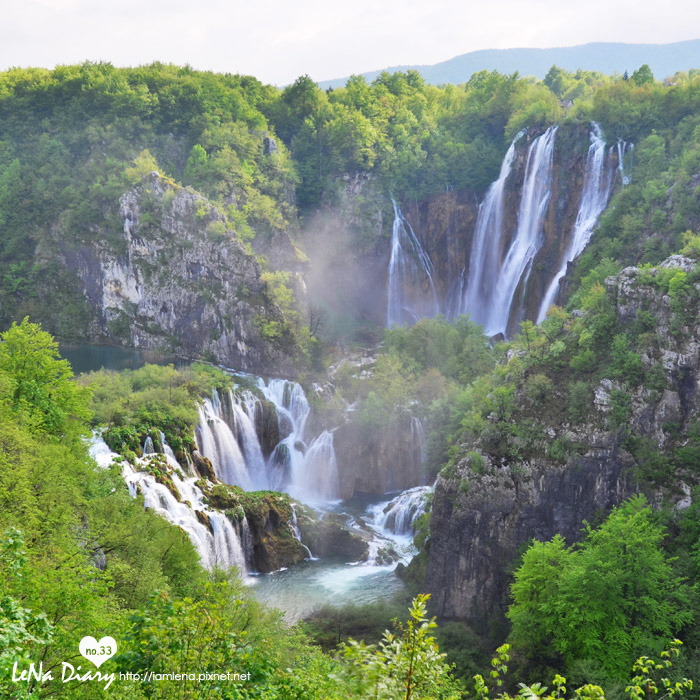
(643, 75)
(136, 404)
(646, 683)
(39, 381)
(580, 401)
(403, 665)
(603, 600)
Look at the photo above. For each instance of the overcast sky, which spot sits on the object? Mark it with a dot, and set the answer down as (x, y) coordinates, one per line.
(278, 40)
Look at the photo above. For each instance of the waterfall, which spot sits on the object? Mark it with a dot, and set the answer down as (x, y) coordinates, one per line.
(219, 546)
(400, 515)
(409, 266)
(217, 442)
(418, 437)
(528, 239)
(598, 179)
(312, 472)
(484, 260)
(621, 151)
(316, 477)
(148, 448)
(167, 449)
(227, 435)
(297, 532)
(244, 421)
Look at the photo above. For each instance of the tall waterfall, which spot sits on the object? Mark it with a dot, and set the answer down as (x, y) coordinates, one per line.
(228, 435)
(517, 264)
(485, 262)
(411, 292)
(218, 546)
(598, 181)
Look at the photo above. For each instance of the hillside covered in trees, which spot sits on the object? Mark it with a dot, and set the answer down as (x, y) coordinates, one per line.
(224, 220)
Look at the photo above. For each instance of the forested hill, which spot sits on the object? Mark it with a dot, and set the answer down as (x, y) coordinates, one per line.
(606, 57)
(167, 208)
(90, 240)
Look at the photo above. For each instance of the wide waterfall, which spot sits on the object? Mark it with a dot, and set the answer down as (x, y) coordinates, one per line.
(598, 181)
(220, 545)
(514, 243)
(229, 433)
(411, 291)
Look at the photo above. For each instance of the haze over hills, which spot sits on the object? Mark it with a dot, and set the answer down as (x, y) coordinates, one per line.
(664, 60)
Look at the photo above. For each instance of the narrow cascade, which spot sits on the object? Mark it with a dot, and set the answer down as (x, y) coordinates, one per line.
(220, 546)
(484, 260)
(400, 515)
(148, 448)
(297, 532)
(411, 292)
(167, 449)
(598, 181)
(418, 437)
(621, 151)
(528, 239)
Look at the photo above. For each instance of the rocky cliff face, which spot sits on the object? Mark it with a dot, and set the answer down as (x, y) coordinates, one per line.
(379, 460)
(177, 279)
(486, 510)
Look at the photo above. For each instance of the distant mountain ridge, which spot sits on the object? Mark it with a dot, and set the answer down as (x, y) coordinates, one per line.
(606, 57)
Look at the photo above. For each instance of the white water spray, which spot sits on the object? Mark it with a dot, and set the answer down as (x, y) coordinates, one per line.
(219, 546)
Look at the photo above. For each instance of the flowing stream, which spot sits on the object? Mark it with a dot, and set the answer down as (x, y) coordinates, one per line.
(301, 589)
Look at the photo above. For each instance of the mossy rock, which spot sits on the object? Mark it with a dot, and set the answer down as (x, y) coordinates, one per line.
(330, 536)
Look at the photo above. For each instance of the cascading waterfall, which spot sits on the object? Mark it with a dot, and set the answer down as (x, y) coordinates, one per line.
(400, 515)
(418, 436)
(598, 180)
(221, 546)
(244, 424)
(317, 474)
(528, 239)
(148, 448)
(622, 147)
(227, 435)
(485, 263)
(493, 287)
(409, 266)
(217, 442)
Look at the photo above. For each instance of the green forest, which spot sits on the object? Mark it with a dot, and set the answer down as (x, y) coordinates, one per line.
(612, 614)
(80, 555)
(75, 138)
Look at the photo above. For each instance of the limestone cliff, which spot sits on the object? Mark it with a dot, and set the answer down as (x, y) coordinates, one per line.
(379, 459)
(176, 278)
(487, 508)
